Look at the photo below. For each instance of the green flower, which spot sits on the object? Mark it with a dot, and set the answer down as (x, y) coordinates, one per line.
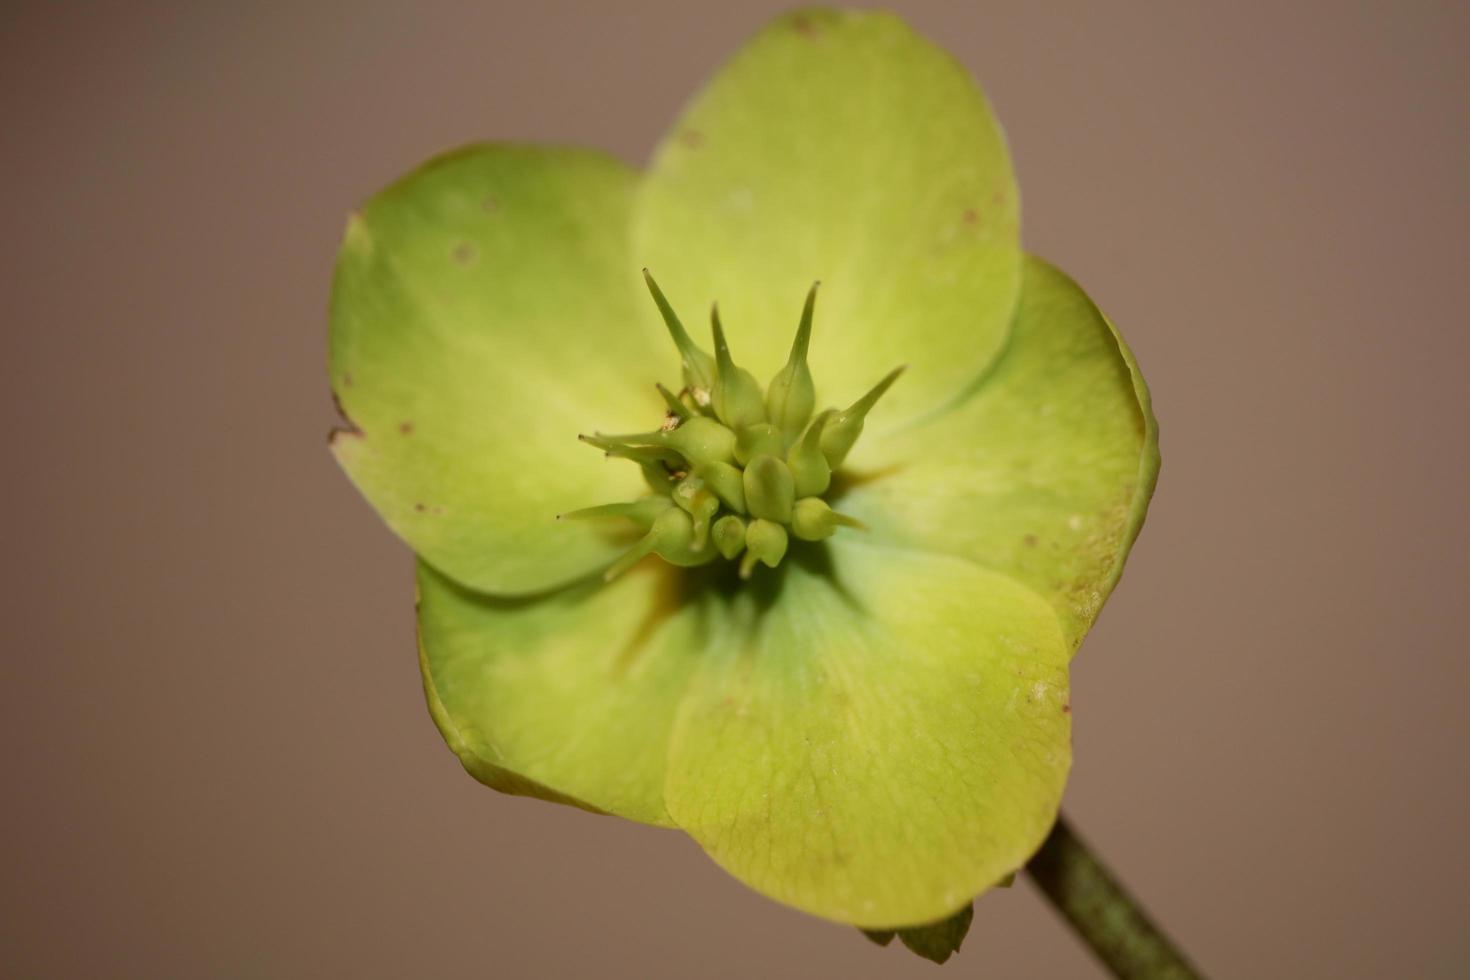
(876, 727)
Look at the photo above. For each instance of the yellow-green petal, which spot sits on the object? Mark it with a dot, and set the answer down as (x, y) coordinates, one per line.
(483, 314)
(840, 146)
(1044, 473)
(887, 739)
(569, 697)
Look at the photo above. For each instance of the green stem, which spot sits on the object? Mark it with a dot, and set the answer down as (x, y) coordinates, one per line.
(1107, 918)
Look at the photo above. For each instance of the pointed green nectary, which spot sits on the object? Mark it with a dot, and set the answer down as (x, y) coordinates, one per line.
(698, 440)
(672, 537)
(643, 511)
(813, 520)
(699, 367)
(842, 430)
(809, 467)
(736, 395)
(792, 394)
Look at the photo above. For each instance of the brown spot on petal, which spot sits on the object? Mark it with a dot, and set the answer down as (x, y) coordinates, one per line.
(804, 26)
(1067, 709)
(971, 217)
(406, 428)
(489, 204)
(1030, 540)
(347, 379)
(420, 508)
(463, 253)
(692, 138)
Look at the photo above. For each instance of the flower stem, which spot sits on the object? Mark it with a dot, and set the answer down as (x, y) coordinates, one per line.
(1105, 916)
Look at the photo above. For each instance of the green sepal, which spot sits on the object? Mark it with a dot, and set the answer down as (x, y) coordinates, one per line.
(736, 395)
(938, 941)
(643, 511)
(755, 440)
(813, 520)
(1043, 473)
(729, 536)
(844, 427)
(792, 394)
(770, 491)
(727, 482)
(765, 541)
(809, 467)
(699, 367)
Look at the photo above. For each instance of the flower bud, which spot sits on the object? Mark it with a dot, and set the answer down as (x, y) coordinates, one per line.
(701, 505)
(727, 482)
(765, 541)
(769, 489)
(729, 535)
(754, 440)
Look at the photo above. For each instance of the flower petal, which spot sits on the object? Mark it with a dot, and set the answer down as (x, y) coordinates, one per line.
(1044, 473)
(569, 697)
(481, 318)
(886, 739)
(840, 146)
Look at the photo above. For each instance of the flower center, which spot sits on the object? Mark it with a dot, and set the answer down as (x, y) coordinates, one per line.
(735, 472)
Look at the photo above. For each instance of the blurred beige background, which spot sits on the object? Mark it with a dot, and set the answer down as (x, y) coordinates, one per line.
(216, 759)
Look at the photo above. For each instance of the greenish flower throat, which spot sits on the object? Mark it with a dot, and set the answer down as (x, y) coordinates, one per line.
(733, 470)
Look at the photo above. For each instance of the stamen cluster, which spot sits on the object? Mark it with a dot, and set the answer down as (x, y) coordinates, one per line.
(733, 469)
